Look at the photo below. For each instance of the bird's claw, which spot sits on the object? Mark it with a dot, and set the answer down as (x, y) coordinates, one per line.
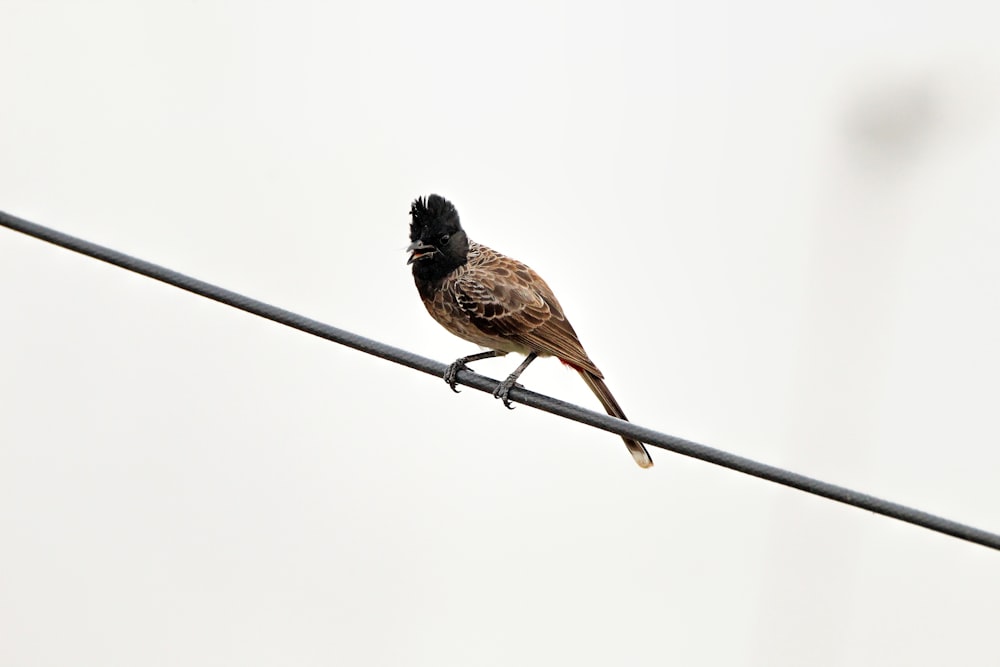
(503, 390)
(451, 375)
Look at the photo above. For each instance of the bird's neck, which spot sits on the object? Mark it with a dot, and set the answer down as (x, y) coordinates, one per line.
(436, 268)
(432, 271)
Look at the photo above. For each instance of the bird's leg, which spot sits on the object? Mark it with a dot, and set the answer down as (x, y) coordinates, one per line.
(451, 375)
(504, 388)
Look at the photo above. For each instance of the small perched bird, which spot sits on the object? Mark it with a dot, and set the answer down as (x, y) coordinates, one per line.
(495, 302)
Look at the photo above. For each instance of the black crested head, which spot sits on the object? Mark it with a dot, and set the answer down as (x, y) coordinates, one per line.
(433, 212)
(439, 245)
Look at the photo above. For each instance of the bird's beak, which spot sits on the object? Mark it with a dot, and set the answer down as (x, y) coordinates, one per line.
(418, 250)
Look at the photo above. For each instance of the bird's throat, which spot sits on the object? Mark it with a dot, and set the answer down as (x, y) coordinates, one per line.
(434, 269)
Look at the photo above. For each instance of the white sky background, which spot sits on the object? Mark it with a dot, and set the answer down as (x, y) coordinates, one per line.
(773, 224)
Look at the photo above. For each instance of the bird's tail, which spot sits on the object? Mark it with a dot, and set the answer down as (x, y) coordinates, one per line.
(596, 384)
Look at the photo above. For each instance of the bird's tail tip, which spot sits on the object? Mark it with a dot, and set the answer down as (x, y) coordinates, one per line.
(639, 453)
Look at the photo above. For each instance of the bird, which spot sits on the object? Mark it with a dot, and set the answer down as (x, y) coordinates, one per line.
(495, 302)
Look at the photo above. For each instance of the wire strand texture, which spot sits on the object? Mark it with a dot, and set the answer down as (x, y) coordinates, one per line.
(517, 394)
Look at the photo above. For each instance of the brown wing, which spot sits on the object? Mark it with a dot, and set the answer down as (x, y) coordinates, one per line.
(505, 298)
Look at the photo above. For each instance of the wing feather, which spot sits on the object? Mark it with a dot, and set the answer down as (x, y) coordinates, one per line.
(505, 298)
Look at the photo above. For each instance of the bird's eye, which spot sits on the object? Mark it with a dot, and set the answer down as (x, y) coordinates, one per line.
(444, 238)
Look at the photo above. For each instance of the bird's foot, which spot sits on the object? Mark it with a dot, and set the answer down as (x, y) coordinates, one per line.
(451, 375)
(503, 390)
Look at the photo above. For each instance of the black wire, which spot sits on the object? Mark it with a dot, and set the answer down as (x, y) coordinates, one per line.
(530, 398)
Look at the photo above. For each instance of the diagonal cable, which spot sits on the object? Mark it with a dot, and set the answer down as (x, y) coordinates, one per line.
(529, 398)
